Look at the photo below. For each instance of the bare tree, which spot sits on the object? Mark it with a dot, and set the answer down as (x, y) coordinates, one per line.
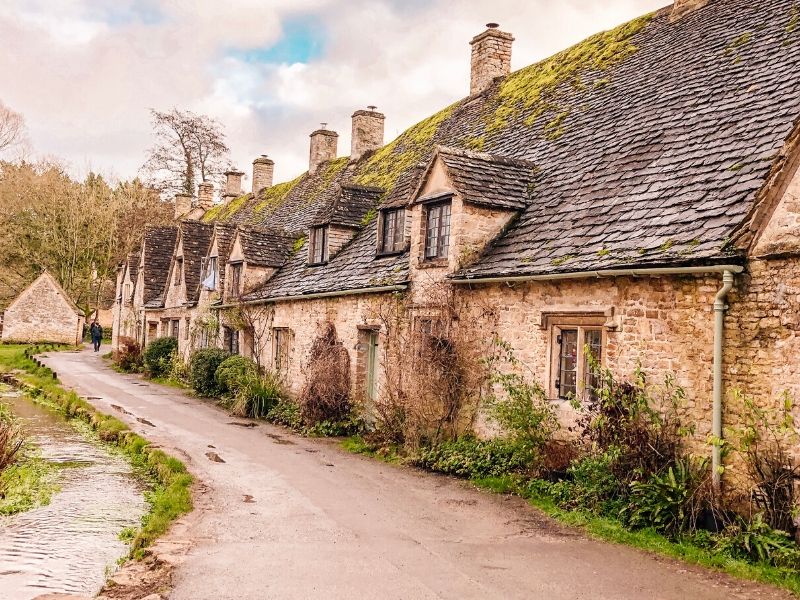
(189, 149)
(12, 127)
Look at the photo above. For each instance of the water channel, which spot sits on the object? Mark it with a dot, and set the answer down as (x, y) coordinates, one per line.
(72, 544)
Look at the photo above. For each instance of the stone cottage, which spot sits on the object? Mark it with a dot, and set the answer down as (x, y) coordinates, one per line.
(43, 312)
(634, 197)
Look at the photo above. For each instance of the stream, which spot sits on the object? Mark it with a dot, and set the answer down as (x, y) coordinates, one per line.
(71, 545)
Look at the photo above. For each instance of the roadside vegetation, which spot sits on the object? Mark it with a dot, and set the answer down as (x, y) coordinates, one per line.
(627, 471)
(170, 496)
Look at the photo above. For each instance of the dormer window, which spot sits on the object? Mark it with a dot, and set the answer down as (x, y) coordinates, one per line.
(178, 272)
(437, 231)
(236, 279)
(318, 246)
(392, 231)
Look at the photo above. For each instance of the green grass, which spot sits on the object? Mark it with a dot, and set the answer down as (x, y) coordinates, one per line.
(358, 445)
(171, 495)
(649, 540)
(28, 483)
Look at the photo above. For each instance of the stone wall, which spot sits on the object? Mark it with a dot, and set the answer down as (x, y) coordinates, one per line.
(491, 58)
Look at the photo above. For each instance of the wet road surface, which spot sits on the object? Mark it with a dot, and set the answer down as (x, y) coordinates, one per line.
(295, 518)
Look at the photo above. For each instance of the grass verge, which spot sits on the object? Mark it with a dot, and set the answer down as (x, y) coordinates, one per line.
(171, 496)
(28, 483)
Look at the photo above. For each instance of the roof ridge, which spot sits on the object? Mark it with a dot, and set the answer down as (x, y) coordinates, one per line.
(485, 156)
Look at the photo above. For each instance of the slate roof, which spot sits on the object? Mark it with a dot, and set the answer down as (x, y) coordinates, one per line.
(265, 247)
(651, 142)
(133, 265)
(158, 247)
(351, 205)
(196, 238)
(488, 180)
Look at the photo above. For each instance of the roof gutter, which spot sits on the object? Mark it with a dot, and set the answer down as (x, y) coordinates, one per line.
(642, 272)
(352, 292)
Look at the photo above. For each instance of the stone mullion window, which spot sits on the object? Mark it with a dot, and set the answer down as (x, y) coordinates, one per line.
(576, 344)
(437, 231)
(236, 279)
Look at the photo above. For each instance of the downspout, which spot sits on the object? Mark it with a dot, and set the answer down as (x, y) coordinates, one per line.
(720, 306)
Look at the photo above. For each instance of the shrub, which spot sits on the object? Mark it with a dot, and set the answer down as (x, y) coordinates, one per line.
(591, 484)
(11, 439)
(158, 356)
(757, 541)
(256, 395)
(286, 412)
(326, 394)
(526, 416)
(471, 458)
(233, 373)
(202, 371)
(179, 370)
(128, 356)
(671, 502)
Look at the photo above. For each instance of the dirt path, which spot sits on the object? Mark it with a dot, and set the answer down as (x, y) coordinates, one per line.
(289, 517)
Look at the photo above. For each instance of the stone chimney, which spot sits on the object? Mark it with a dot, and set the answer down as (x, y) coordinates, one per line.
(233, 185)
(367, 132)
(183, 204)
(205, 195)
(681, 8)
(323, 147)
(491, 57)
(263, 169)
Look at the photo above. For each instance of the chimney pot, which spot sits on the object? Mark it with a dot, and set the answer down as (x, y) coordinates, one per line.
(263, 170)
(233, 184)
(183, 204)
(367, 132)
(491, 57)
(322, 148)
(205, 195)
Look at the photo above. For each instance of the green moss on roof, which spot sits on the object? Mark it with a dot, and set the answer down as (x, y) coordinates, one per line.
(532, 89)
(384, 168)
(223, 212)
(273, 197)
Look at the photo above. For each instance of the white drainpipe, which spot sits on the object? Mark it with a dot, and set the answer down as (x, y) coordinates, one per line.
(720, 306)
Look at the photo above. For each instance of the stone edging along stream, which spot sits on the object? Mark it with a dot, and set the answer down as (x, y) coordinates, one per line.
(155, 559)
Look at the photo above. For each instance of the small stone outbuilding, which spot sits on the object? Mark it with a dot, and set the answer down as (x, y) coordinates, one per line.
(43, 312)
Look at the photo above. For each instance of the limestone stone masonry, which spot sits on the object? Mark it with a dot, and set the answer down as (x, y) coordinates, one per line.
(263, 170)
(322, 148)
(491, 57)
(367, 132)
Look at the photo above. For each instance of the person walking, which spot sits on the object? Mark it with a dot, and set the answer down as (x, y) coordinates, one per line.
(97, 335)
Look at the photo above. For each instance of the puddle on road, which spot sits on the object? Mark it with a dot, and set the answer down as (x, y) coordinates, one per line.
(68, 545)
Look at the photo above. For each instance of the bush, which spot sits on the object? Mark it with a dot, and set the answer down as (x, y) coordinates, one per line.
(11, 439)
(591, 484)
(671, 502)
(179, 370)
(326, 394)
(256, 395)
(233, 373)
(286, 412)
(158, 356)
(757, 541)
(471, 458)
(128, 356)
(202, 371)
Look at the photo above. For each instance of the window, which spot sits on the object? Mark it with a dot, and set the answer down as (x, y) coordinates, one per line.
(236, 277)
(574, 350)
(126, 293)
(175, 328)
(280, 352)
(318, 249)
(210, 275)
(186, 328)
(437, 231)
(230, 340)
(392, 232)
(178, 271)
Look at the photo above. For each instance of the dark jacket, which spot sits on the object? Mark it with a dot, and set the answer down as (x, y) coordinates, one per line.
(97, 331)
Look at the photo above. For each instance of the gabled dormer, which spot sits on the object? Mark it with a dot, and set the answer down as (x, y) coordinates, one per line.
(463, 201)
(256, 253)
(183, 283)
(338, 223)
(212, 279)
(128, 278)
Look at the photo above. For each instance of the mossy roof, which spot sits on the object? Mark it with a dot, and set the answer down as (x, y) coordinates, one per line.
(651, 142)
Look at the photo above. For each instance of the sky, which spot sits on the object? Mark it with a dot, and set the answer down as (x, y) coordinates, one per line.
(84, 73)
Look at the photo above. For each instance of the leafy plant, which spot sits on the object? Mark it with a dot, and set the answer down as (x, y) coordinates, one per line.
(128, 356)
(671, 502)
(757, 541)
(257, 395)
(202, 370)
(470, 457)
(591, 484)
(234, 372)
(158, 356)
(286, 412)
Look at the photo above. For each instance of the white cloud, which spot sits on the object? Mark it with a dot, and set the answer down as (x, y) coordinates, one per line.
(85, 81)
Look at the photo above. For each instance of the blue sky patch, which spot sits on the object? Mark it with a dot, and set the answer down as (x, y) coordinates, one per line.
(302, 41)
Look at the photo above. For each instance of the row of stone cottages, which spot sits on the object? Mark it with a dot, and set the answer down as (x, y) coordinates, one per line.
(637, 195)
